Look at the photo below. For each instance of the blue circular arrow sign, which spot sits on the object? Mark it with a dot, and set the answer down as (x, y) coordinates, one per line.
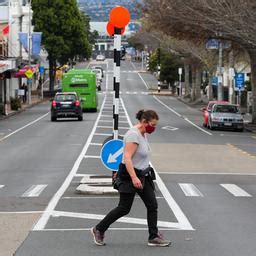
(112, 154)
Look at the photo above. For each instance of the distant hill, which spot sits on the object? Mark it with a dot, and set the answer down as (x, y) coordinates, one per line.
(98, 10)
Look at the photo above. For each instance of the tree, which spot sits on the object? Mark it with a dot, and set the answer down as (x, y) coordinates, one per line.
(65, 32)
(199, 20)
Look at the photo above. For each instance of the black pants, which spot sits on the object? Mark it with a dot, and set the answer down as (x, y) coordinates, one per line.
(125, 203)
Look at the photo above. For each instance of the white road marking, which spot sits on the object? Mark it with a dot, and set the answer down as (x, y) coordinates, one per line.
(88, 229)
(107, 127)
(129, 220)
(179, 115)
(55, 199)
(190, 189)
(170, 128)
(183, 222)
(235, 190)
(100, 197)
(31, 212)
(111, 121)
(25, 126)
(34, 191)
(2, 186)
(87, 156)
(209, 173)
(143, 80)
(103, 134)
(95, 144)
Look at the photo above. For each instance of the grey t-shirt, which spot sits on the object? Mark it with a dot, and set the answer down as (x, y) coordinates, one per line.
(140, 158)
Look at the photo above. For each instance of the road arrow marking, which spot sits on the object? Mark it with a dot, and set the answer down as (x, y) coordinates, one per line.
(170, 128)
(112, 158)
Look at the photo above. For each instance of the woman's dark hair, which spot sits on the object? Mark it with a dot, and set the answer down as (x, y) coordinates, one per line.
(147, 115)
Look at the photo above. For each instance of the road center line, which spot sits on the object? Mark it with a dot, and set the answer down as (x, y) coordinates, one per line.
(22, 128)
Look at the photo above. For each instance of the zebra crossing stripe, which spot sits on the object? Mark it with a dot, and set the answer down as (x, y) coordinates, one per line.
(190, 189)
(34, 191)
(235, 190)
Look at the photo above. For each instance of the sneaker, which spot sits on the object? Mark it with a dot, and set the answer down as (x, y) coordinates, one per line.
(98, 236)
(159, 241)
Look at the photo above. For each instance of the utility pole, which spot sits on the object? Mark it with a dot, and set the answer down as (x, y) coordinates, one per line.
(220, 75)
(29, 80)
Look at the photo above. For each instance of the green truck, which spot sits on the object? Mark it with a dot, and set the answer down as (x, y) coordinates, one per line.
(83, 82)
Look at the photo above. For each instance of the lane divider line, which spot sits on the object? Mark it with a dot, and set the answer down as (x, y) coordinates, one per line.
(190, 190)
(34, 191)
(25, 126)
(40, 225)
(235, 190)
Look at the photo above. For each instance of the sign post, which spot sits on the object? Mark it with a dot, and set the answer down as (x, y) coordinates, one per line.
(239, 86)
(180, 87)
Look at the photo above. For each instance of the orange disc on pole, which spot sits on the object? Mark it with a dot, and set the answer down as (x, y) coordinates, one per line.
(111, 29)
(119, 17)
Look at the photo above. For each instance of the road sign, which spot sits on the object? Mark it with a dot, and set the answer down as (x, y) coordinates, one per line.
(215, 81)
(41, 70)
(239, 81)
(112, 154)
(29, 73)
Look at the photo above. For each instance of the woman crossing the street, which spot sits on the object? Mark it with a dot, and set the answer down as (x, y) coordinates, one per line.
(135, 176)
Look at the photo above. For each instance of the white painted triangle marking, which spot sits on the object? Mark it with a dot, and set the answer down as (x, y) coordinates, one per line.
(160, 224)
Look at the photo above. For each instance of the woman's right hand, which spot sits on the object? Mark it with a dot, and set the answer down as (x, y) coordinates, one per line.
(137, 183)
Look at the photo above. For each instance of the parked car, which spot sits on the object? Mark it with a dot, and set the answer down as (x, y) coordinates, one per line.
(226, 116)
(206, 110)
(66, 104)
(100, 57)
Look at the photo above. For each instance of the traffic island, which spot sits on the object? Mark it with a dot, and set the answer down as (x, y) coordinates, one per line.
(96, 185)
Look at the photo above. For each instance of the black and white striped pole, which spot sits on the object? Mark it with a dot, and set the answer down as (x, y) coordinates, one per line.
(147, 61)
(119, 17)
(116, 81)
(158, 70)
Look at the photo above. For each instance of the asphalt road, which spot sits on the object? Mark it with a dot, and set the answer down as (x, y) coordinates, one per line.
(206, 183)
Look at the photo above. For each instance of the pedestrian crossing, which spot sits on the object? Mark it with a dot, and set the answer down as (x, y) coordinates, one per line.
(188, 189)
(126, 92)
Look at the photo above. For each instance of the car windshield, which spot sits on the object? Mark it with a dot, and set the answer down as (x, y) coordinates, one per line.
(226, 109)
(66, 97)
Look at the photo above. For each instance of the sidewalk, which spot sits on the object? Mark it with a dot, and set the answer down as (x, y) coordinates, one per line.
(34, 101)
(199, 104)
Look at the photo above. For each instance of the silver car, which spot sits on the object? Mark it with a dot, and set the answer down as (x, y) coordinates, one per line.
(226, 116)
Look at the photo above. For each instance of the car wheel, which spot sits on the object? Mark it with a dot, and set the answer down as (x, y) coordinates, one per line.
(240, 130)
(53, 118)
(80, 118)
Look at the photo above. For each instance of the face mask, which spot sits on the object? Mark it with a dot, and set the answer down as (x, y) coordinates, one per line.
(149, 128)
